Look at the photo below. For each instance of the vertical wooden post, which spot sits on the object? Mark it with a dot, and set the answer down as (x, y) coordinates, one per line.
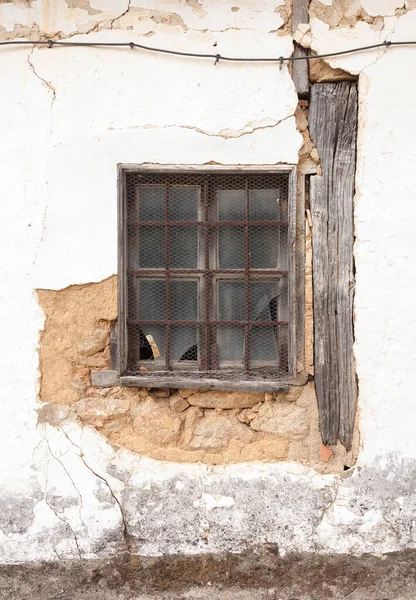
(300, 68)
(122, 273)
(333, 128)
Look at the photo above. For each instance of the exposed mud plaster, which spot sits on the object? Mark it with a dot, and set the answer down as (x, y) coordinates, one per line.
(308, 154)
(320, 71)
(197, 7)
(70, 315)
(210, 427)
(21, 2)
(30, 33)
(285, 12)
(344, 13)
(67, 19)
(83, 5)
(158, 17)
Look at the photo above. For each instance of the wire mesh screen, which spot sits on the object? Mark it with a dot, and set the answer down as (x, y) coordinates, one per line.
(208, 273)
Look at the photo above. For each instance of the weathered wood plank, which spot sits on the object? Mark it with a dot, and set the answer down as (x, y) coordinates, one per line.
(178, 382)
(122, 274)
(300, 68)
(333, 128)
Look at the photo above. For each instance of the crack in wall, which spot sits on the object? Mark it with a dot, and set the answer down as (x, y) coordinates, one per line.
(47, 83)
(120, 16)
(331, 503)
(69, 477)
(126, 536)
(43, 225)
(249, 128)
(64, 521)
(387, 38)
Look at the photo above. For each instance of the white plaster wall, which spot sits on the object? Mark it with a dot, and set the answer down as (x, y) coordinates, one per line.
(67, 117)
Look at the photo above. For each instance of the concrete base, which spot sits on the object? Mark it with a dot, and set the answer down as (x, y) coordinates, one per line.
(258, 574)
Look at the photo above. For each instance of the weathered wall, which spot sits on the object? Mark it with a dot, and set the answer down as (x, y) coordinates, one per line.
(68, 116)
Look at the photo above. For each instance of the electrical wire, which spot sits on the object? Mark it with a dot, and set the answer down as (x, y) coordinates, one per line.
(216, 57)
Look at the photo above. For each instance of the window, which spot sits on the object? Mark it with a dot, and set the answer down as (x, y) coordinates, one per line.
(207, 275)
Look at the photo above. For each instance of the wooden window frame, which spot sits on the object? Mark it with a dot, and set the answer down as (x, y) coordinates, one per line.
(295, 284)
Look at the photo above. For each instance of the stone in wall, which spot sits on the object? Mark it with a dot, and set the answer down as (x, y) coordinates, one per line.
(344, 13)
(286, 420)
(228, 400)
(214, 433)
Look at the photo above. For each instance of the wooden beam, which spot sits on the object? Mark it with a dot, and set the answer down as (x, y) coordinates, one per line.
(333, 128)
(181, 382)
(122, 273)
(300, 68)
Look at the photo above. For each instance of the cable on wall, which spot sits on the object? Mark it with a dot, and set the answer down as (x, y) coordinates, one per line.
(216, 57)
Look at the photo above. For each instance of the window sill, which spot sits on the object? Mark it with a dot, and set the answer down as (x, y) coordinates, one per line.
(107, 378)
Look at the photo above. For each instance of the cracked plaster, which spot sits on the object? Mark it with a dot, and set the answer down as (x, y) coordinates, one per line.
(77, 494)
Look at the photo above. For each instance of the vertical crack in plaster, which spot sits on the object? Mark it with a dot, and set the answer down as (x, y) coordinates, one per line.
(126, 535)
(43, 225)
(64, 521)
(324, 512)
(47, 83)
(70, 479)
(388, 37)
(120, 16)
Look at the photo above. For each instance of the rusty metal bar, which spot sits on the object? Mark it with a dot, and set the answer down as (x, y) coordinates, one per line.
(204, 322)
(273, 272)
(207, 279)
(247, 283)
(167, 278)
(211, 223)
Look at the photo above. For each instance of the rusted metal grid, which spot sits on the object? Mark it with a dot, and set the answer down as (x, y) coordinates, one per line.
(208, 274)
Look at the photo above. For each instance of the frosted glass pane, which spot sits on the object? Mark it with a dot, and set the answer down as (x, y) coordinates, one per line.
(184, 300)
(262, 344)
(183, 202)
(151, 247)
(151, 201)
(183, 247)
(230, 342)
(231, 248)
(264, 205)
(230, 300)
(231, 205)
(264, 247)
(151, 300)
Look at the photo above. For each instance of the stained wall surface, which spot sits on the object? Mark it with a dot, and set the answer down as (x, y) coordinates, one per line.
(68, 116)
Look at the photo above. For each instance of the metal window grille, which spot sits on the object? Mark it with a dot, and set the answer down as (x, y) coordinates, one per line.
(209, 273)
